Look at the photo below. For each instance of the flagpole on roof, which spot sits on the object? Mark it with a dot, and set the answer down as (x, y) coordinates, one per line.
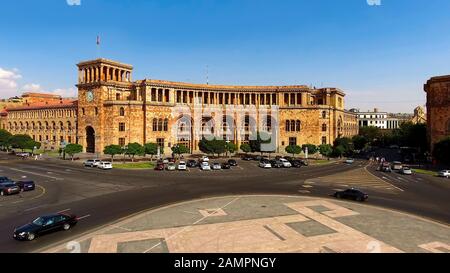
(98, 46)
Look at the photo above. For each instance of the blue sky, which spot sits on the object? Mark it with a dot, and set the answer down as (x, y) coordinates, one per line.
(379, 55)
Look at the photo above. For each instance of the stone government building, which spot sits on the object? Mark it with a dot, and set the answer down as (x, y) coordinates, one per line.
(113, 109)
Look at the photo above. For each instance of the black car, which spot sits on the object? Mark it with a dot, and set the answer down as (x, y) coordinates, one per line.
(191, 163)
(276, 164)
(232, 162)
(44, 225)
(353, 194)
(4, 179)
(8, 188)
(26, 185)
(304, 163)
(226, 166)
(247, 158)
(296, 163)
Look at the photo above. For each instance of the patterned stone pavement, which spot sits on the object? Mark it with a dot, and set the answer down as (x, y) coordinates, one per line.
(273, 224)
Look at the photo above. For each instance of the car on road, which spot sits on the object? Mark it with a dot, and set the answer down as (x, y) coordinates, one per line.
(9, 188)
(296, 163)
(92, 163)
(171, 166)
(353, 194)
(105, 165)
(26, 185)
(444, 173)
(44, 225)
(232, 162)
(204, 159)
(286, 163)
(4, 179)
(160, 167)
(204, 166)
(226, 166)
(349, 161)
(216, 167)
(265, 164)
(386, 169)
(406, 171)
(192, 163)
(247, 158)
(166, 161)
(276, 164)
(397, 166)
(182, 166)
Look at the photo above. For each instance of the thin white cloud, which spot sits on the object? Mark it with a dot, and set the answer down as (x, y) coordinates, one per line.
(8, 82)
(32, 87)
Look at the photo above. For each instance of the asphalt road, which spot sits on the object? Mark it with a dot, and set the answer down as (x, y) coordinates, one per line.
(102, 197)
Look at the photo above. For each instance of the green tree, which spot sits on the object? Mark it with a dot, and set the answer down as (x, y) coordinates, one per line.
(246, 148)
(23, 142)
(257, 144)
(231, 148)
(371, 133)
(346, 144)
(293, 150)
(205, 146)
(5, 138)
(72, 149)
(326, 150)
(180, 150)
(359, 142)
(134, 149)
(338, 151)
(113, 150)
(152, 150)
(441, 151)
(312, 149)
(218, 146)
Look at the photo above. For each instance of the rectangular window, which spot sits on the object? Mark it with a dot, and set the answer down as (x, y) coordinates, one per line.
(122, 127)
(292, 141)
(324, 140)
(69, 139)
(160, 142)
(121, 141)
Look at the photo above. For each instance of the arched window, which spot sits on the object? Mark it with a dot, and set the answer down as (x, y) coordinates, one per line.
(324, 127)
(53, 125)
(297, 125)
(69, 126)
(293, 126)
(117, 96)
(324, 114)
(155, 125)
(160, 125)
(166, 125)
(122, 112)
(288, 125)
(61, 125)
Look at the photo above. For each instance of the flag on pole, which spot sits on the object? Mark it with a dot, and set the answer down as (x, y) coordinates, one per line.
(98, 40)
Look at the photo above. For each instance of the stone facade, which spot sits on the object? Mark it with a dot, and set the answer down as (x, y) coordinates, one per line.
(438, 108)
(113, 109)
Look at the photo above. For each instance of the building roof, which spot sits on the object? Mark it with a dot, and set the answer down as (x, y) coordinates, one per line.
(105, 61)
(40, 95)
(43, 105)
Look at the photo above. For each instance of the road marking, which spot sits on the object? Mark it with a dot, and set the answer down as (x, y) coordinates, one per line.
(40, 195)
(84, 217)
(310, 182)
(304, 191)
(307, 186)
(365, 168)
(17, 202)
(399, 178)
(63, 211)
(190, 212)
(38, 174)
(23, 176)
(119, 227)
(33, 208)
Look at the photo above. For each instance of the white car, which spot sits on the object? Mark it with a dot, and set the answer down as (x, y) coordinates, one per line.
(265, 164)
(285, 162)
(217, 167)
(205, 166)
(171, 167)
(205, 159)
(444, 173)
(406, 171)
(349, 161)
(105, 165)
(182, 166)
(92, 163)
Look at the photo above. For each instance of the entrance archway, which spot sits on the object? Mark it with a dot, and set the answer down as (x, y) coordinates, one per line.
(90, 140)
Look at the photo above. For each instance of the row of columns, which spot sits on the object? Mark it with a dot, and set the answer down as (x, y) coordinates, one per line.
(103, 73)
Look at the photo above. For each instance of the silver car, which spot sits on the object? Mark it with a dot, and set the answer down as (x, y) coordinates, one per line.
(444, 173)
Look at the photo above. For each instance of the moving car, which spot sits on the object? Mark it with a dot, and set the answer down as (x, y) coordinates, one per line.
(216, 167)
(171, 167)
(286, 163)
(349, 161)
(182, 166)
(192, 163)
(44, 225)
(397, 166)
(4, 179)
(226, 166)
(104, 165)
(8, 188)
(276, 163)
(205, 166)
(353, 194)
(232, 162)
(26, 185)
(265, 164)
(296, 163)
(159, 167)
(406, 171)
(247, 158)
(92, 163)
(386, 169)
(444, 173)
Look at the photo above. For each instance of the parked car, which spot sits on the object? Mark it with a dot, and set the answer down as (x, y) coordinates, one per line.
(304, 163)
(159, 167)
(205, 159)
(192, 163)
(349, 161)
(444, 173)
(182, 166)
(4, 179)
(296, 163)
(105, 165)
(171, 166)
(8, 188)
(286, 163)
(232, 162)
(172, 160)
(406, 171)
(353, 194)
(276, 163)
(44, 225)
(92, 163)
(26, 185)
(216, 167)
(226, 166)
(205, 166)
(166, 160)
(247, 158)
(265, 164)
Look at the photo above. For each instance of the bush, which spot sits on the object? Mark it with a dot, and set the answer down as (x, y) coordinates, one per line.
(441, 151)
(293, 150)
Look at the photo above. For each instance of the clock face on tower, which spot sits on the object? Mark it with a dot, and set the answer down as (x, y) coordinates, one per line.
(89, 96)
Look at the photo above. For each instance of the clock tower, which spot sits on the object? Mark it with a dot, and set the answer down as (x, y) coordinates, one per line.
(100, 82)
